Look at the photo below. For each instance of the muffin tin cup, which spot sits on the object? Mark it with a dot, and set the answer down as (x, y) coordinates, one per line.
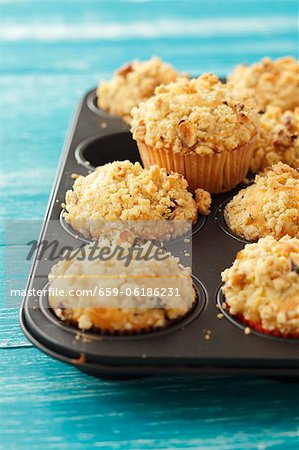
(89, 155)
(45, 313)
(92, 104)
(206, 341)
(220, 218)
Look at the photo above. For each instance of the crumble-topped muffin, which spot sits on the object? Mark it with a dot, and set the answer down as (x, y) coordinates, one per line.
(278, 139)
(122, 191)
(270, 82)
(133, 83)
(270, 206)
(201, 115)
(262, 286)
(200, 128)
(132, 297)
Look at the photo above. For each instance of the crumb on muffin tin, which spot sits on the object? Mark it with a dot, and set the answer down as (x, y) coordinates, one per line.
(270, 206)
(278, 139)
(270, 82)
(262, 286)
(203, 200)
(133, 83)
(184, 115)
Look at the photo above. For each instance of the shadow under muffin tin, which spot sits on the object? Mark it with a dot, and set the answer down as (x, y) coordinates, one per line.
(200, 342)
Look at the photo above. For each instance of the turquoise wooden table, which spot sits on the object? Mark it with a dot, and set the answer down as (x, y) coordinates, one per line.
(52, 51)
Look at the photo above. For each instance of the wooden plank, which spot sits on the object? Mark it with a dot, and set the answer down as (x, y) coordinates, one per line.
(52, 405)
(11, 335)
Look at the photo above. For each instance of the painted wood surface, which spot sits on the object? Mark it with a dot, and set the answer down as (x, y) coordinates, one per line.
(52, 51)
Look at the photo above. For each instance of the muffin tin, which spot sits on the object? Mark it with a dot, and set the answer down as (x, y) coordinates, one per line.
(199, 343)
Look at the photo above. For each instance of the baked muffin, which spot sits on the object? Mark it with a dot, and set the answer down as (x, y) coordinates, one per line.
(122, 194)
(199, 128)
(132, 297)
(270, 82)
(262, 286)
(278, 139)
(133, 83)
(270, 206)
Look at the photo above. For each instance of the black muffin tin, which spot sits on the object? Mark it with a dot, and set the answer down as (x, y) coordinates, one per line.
(199, 343)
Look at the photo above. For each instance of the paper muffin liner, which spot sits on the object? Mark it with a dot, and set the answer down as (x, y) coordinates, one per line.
(257, 326)
(102, 328)
(216, 173)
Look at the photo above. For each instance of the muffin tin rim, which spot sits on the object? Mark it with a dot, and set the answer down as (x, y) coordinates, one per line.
(91, 103)
(89, 140)
(112, 371)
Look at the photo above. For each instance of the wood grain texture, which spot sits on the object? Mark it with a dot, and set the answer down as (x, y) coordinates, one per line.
(55, 406)
(52, 51)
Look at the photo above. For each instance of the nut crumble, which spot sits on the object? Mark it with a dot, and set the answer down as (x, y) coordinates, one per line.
(262, 288)
(132, 84)
(122, 191)
(184, 115)
(270, 82)
(270, 206)
(278, 139)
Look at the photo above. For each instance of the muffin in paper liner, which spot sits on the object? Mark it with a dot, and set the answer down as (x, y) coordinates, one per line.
(119, 322)
(269, 206)
(215, 173)
(261, 288)
(199, 128)
(260, 329)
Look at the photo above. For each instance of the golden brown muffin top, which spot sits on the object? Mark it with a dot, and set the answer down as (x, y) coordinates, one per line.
(122, 191)
(133, 83)
(200, 115)
(269, 82)
(263, 284)
(270, 206)
(278, 139)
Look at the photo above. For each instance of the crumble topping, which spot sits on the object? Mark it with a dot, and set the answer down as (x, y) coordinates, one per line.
(201, 115)
(203, 200)
(278, 139)
(270, 206)
(263, 287)
(133, 83)
(270, 82)
(122, 191)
